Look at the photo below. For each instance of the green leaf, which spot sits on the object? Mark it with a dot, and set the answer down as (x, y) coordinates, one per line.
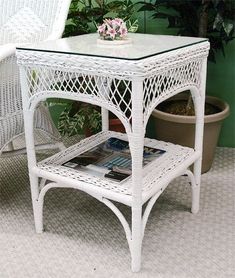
(147, 7)
(132, 27)
(228, 28)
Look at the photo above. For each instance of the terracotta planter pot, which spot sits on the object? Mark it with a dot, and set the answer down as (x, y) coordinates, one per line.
(88, 132)
(116, 125)
(181, 129)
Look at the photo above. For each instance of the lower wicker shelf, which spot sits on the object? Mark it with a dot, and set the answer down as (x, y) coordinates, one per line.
(156, 175)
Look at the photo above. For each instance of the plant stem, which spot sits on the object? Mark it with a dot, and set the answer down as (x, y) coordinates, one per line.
(203, 19)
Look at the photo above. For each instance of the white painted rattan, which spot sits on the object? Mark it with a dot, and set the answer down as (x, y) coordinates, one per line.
(130, 89)
(153, 174)
(22, 22)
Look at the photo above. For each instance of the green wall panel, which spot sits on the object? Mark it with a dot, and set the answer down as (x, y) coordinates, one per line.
(221, 83)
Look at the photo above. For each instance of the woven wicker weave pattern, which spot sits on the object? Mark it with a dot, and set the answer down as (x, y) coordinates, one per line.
(153, 173)
(130, 89)
(107, 82)
(24, 21)
(28, 20)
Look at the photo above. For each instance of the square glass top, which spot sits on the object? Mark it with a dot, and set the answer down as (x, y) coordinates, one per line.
(141, 46)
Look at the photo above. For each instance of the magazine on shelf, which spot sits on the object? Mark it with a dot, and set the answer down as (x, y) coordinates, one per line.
(111, 159)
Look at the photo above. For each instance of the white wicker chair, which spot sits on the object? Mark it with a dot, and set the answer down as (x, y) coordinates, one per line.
(23, 22)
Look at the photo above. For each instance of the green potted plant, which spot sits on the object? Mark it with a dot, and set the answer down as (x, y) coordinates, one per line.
(79, 118)
(85, 15)
(175, 118)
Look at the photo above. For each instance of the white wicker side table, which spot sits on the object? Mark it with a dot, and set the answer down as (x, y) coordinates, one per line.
(150, 70)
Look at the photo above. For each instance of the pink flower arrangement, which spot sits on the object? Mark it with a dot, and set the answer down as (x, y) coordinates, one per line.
(113, 29)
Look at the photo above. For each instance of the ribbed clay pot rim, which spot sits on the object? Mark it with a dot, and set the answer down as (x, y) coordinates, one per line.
(191, 119)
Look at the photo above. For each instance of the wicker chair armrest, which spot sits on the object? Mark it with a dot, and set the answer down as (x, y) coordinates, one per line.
(7, 50)
(53, 36)
(58, 28)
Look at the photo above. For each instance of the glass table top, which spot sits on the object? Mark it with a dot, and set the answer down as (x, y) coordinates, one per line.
(141, 46)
